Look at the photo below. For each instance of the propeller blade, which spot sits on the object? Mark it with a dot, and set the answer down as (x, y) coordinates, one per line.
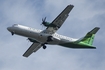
(44, 19)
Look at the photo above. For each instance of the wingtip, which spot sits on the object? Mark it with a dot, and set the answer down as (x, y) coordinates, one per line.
(25, 56)
(71, 5)
(97, 27)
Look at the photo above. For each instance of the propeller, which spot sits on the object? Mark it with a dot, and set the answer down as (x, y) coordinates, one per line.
(43, 20)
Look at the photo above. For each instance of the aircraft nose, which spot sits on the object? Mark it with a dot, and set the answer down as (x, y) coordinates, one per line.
(9, 29)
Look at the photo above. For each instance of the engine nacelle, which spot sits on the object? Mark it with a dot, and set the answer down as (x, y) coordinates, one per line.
(32, 40)
(50, 38)
(46, 24)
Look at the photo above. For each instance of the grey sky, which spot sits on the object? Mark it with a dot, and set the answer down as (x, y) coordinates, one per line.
(85, 15)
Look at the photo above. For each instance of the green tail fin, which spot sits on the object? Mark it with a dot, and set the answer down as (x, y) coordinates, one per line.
(89, 37)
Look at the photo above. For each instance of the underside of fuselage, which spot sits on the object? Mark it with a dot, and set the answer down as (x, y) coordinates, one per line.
(35, 36)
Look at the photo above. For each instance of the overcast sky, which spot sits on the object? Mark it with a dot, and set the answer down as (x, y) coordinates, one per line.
(85, 15)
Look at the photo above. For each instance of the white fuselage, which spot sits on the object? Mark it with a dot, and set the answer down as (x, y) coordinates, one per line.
(39, 35)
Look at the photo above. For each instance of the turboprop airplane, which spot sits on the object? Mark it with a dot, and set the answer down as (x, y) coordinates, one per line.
(40, 38)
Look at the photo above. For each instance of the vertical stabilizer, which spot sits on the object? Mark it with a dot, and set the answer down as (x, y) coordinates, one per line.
(89, 37)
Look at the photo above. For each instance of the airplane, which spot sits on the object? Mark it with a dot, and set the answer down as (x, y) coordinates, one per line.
(40, 38)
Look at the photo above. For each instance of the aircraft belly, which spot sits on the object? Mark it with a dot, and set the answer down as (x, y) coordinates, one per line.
(43, 39)
(54, 42)
(26, 33)
(30, 34)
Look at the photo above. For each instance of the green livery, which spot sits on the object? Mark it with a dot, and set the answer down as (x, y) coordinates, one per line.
(85, 42)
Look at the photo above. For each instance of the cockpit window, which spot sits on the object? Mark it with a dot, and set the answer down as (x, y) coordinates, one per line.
(15, 25)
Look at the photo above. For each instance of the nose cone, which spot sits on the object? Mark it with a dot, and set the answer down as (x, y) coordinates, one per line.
(9, 29)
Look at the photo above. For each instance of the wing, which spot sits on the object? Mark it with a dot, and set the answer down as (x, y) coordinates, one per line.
(33, 48)
(59, 20)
